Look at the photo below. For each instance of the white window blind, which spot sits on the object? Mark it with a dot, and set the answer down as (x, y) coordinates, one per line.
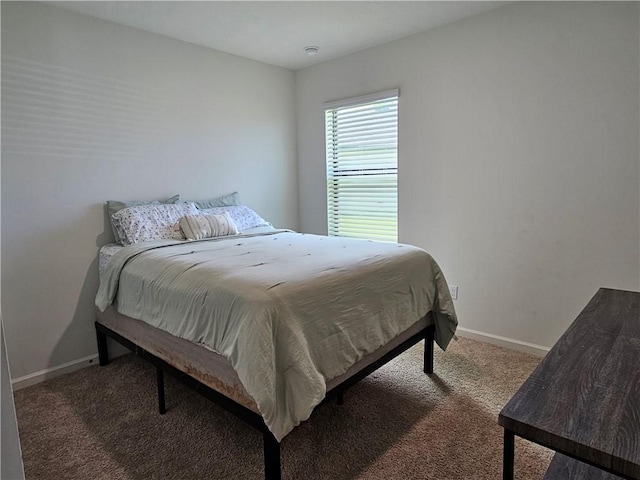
(362, 167)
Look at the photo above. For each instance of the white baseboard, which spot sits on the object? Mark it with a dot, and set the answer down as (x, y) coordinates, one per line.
(46, 374)
(53, 372)
(527, 347)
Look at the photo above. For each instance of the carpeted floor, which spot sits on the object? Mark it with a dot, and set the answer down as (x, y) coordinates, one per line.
(102, 423)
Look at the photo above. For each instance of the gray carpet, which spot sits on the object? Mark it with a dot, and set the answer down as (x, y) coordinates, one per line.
(102, 423)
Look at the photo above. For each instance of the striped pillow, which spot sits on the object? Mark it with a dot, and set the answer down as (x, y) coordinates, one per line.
(197, 227)
(243, 216)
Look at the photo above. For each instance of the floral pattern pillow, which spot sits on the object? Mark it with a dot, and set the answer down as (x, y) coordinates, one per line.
(151, 222)
(113, 206)
(242, 216)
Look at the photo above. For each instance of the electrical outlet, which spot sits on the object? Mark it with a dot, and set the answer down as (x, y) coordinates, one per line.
(453, 290)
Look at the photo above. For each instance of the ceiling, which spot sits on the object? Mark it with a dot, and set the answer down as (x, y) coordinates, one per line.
(277, 32)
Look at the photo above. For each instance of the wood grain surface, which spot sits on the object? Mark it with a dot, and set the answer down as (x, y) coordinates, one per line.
(584, 397)
(563, 467)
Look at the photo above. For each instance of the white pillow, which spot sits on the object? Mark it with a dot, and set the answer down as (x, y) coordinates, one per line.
(151, 222)
(197, 227)
(242, 216)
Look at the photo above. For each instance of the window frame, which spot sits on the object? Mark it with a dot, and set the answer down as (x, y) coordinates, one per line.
(377, 172)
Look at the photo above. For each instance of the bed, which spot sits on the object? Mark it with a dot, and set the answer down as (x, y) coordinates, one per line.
(269, 323)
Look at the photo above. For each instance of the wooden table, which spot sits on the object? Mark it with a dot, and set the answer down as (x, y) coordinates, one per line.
(583, 400)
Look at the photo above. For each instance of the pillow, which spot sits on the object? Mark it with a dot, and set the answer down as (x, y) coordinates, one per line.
(197, 227)
(224, 201)
(242, 216)
(151, 222)
(113, 206)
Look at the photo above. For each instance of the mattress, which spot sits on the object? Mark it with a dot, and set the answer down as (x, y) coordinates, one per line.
(106, 254)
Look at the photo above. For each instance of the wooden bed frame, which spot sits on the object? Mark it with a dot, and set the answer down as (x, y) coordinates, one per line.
(212, 376)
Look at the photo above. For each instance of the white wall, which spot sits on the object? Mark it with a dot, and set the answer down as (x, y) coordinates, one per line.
(93, 111)
(518, 156)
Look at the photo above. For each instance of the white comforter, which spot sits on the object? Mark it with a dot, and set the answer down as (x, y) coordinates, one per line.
(289, 311)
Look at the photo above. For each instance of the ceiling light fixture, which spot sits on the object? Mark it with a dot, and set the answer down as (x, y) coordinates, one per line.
(311, 50)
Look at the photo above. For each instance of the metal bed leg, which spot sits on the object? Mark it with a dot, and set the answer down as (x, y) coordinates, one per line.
(160, 381)
(508, 455)
(271, 457)
(103, 349)
(428, 350)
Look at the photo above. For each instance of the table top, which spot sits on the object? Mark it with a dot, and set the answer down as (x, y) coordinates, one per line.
(583, 399)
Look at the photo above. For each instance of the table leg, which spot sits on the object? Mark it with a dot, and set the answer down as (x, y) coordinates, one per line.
(508, 455)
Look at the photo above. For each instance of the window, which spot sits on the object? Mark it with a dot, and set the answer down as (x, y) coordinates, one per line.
(362, 166)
